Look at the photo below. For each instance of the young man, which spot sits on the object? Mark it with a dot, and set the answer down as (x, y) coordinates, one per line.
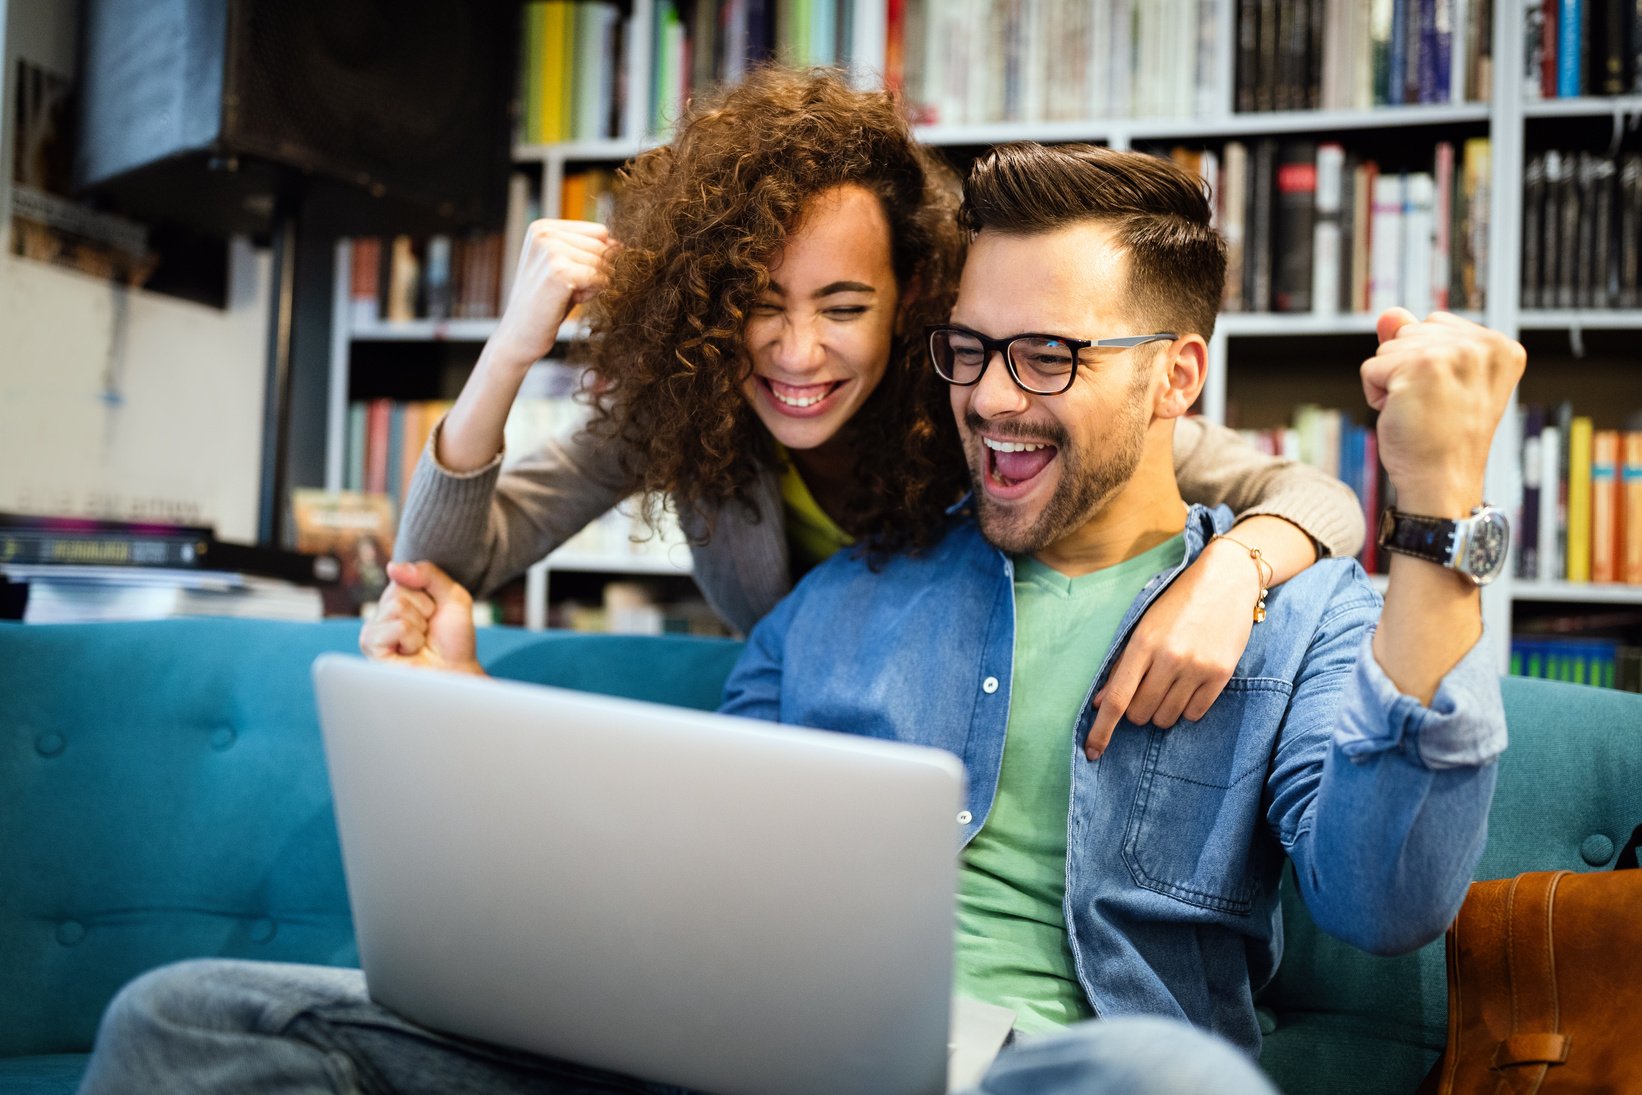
(1135, 880)
(1145, 880)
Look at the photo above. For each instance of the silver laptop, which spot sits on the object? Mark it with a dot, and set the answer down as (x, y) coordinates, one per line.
(686, 897)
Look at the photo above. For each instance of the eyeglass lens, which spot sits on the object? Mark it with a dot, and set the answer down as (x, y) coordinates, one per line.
(1040, 364)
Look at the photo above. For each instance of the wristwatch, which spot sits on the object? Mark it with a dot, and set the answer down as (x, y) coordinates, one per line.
(1476, 546)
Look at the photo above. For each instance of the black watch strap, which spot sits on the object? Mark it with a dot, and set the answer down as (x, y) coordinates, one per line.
(1430, 538)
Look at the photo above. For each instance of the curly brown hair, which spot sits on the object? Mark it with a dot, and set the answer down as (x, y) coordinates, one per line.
(700, 221)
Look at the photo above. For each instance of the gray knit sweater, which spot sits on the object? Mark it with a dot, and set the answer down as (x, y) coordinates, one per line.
(487, 526)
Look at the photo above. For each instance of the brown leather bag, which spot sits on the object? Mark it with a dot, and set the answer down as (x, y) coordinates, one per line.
(1545, 987)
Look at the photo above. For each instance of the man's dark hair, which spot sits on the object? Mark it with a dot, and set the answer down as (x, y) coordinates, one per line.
(1158, 210)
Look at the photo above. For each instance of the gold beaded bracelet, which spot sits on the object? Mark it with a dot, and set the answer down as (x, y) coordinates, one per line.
(1262, 568)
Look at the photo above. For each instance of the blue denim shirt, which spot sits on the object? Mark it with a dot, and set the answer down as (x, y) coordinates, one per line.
(1175, 837)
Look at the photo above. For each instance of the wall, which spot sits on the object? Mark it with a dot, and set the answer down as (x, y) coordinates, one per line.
(117, 402)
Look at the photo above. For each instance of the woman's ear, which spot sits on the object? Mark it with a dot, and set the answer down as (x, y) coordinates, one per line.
(910, 293)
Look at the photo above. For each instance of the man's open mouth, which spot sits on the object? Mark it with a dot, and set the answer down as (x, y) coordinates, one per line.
(1012, 464)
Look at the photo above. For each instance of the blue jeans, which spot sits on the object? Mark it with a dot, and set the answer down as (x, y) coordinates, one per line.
(253, 1028)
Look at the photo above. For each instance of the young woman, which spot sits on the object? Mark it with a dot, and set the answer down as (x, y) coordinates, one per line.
(756, 312)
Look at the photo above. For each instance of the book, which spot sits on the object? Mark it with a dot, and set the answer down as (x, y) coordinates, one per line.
(91, 594)
(1579, 499)
(357, 529)
(59, 541)
(1442, 228)
(1257, 242)
(1419, 241)
(1552, 504)
(1630, 519)
(1325, 229)
(61, 548)
(1386, 236)
(1532, 418)
(1232, 210)
(1605, 504)
(1293, 226)
(1570, 49)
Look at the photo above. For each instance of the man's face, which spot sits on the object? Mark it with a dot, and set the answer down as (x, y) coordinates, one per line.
(1045, 465)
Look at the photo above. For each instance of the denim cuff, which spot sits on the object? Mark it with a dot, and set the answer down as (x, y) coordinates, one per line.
(1463, 727)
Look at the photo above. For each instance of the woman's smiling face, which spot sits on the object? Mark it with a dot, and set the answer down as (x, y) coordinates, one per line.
(819, 339)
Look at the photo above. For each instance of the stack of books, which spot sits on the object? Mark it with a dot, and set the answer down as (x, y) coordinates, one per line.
(1581, 518)
(78, 570)
(1314, 227)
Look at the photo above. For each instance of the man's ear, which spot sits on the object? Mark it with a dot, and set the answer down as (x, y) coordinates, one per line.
(1185, 368)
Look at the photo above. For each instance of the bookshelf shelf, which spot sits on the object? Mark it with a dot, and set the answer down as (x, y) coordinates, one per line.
(1302, 324)
(1577, 593)
(1580, 319)
(1127, 132)
(443, 330)
(608, 151)
(1263, 123)
(1589, 106)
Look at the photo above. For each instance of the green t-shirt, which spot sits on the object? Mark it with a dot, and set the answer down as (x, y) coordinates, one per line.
(1012, 944)
(812, 536)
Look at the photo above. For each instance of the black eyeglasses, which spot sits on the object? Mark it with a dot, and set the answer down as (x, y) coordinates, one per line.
(1040, 364)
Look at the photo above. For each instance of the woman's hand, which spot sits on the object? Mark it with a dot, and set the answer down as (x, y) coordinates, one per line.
(1187, 645)
(424, 619)
(562, 264)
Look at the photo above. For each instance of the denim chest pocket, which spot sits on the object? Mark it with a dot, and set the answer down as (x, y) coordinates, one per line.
(1194, 827)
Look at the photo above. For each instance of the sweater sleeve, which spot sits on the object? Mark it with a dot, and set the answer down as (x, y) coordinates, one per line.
(1216, 467)
(488, 526)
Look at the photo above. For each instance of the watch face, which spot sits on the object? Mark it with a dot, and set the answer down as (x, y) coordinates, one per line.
(1490, 542)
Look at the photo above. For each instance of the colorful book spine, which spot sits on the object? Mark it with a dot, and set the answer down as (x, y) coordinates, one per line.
(1630, 518)
(1570, 52)
(1579, 499)
(1605, 506)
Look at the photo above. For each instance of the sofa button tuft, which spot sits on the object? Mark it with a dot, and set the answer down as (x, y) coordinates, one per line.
(262, 931)
(965, 817)
(49, 744)
(1267, 1020)
(222, 738)
(1596, 850)
(70, 932)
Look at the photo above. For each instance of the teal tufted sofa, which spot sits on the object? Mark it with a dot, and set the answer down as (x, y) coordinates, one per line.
(163, 796)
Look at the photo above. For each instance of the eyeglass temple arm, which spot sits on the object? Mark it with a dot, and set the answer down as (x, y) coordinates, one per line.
(1134, 340)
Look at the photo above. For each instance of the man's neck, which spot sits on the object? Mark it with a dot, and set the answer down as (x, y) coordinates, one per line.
(1147, 511)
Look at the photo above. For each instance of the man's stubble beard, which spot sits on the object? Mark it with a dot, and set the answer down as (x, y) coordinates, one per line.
(1082, 491)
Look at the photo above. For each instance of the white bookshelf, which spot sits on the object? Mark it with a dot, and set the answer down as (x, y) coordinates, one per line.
(1503, 118)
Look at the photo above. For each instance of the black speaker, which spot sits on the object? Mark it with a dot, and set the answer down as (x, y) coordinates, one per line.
(393, 114)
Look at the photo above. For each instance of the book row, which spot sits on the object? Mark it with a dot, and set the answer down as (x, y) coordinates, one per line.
(1581, 47)
(570, 71)
(1332, 442)
(400, 278)
(699, 43)
(967, 62)
(1603, 662)
(1581, 515)
(1313, 227)
(1580, 518)
(1582, 230)
(386, 438)
(1346, 55)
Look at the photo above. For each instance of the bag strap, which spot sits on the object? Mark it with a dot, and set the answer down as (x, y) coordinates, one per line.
(1535, 1041)
(1627, 854)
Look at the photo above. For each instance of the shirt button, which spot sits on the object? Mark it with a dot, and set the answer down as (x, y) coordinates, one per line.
(965, 817)
(990, 685)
